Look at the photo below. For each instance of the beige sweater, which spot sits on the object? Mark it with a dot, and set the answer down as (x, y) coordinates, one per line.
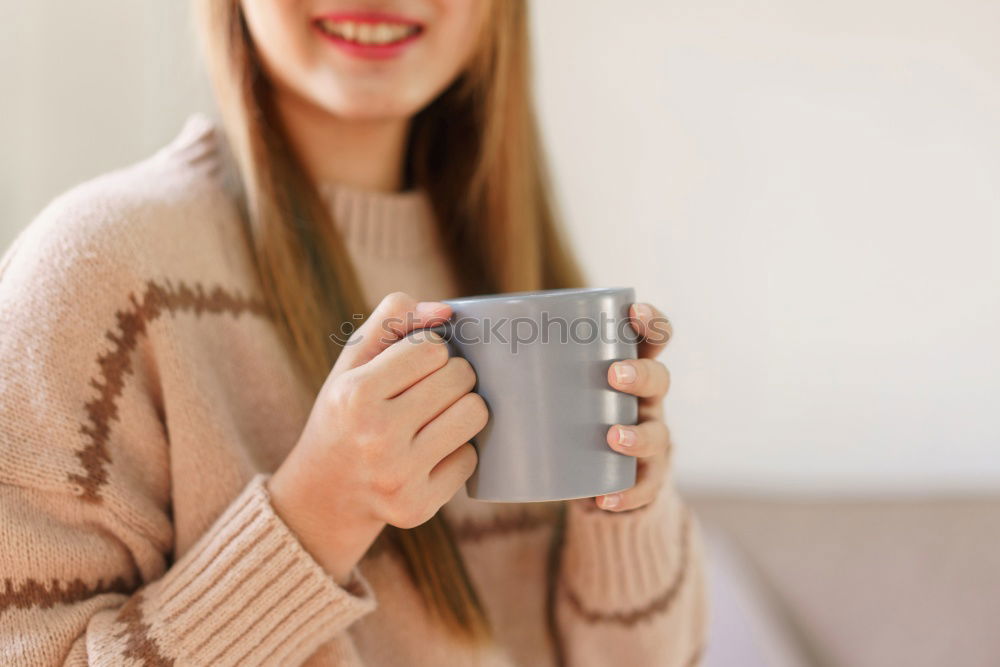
(144, 398)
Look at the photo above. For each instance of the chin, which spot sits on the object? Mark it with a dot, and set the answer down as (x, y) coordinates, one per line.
(368, 112)
(370, 105)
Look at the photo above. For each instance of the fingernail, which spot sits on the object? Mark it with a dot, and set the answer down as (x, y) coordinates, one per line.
(624, 373)
(643, 311)
(626, 437)
(610, 502)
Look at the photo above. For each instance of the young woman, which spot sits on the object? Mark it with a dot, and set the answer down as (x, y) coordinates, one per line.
(194, 471)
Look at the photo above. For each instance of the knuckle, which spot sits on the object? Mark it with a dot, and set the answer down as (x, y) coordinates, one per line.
(331, 397)
(463, 369)
(360, 384)
(391, 314)
(409, 514)
(423, 510)
(660, 376)
(395, 514)
(434, 348)
(387, 483)
(396, 301)
(470, 459)
(405, 519)
(476, 408)
(337, 398)
(356, 390)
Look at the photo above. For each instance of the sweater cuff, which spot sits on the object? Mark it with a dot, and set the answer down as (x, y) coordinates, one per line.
(249, 592)
(618, 564)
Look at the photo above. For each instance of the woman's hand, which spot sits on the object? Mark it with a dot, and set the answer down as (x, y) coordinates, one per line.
(387, 441)
(649, 440)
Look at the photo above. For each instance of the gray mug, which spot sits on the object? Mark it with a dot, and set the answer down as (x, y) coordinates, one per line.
(541, 360)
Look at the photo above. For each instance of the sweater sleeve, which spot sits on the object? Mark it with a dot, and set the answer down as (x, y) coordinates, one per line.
(631, 587)
(87, 567)
(246, 593)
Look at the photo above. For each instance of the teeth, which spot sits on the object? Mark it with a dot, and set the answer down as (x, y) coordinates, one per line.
(368, 33)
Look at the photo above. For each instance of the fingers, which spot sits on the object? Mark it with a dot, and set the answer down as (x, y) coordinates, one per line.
(395, 316)
(650, 477)
(430, 396)
(406, 362)
(648, 439)
(645, 378)
(452, 472)
(459, 423)
(653, 327)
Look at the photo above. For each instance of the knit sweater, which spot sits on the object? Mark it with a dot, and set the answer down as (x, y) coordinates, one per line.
(145, 398)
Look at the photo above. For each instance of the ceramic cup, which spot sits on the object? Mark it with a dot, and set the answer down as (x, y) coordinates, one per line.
(541, 361)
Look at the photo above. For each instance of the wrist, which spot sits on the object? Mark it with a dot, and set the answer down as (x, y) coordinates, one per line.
(336, 540)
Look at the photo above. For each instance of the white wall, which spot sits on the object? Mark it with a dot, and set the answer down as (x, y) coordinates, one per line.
(87, 87)
(811, 190)
(808, 188)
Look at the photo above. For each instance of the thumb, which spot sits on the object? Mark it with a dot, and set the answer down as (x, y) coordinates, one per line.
(395, 316)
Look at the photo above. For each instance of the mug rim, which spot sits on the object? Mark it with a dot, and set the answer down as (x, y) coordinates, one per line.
(536, 295)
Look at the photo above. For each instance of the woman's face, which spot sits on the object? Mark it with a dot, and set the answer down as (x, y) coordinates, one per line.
(364, 59)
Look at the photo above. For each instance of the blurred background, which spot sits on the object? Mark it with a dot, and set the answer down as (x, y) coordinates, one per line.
(810, 190)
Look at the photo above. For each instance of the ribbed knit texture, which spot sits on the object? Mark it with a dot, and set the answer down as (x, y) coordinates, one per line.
(145, 398)
(379, 224)
(393, 241)
(288, 597)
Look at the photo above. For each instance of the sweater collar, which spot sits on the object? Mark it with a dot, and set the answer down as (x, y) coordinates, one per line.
(382, 224)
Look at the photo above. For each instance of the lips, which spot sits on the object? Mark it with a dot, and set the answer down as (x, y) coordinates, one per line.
(375, 35)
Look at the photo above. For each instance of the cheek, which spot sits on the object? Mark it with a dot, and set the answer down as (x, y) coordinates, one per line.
(282, 39)
(459, 29)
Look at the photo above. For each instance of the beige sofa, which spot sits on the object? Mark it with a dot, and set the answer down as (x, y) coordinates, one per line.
(853, 583)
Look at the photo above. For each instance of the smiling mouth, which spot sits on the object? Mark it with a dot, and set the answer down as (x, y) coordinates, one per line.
(368, 33)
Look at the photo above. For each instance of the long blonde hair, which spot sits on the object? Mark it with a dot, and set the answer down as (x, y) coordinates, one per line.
(475, 150)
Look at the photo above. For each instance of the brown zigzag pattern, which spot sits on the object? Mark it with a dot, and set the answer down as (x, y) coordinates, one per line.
(34, 593)
(116, 364)
(659, 604)
(139, 645)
